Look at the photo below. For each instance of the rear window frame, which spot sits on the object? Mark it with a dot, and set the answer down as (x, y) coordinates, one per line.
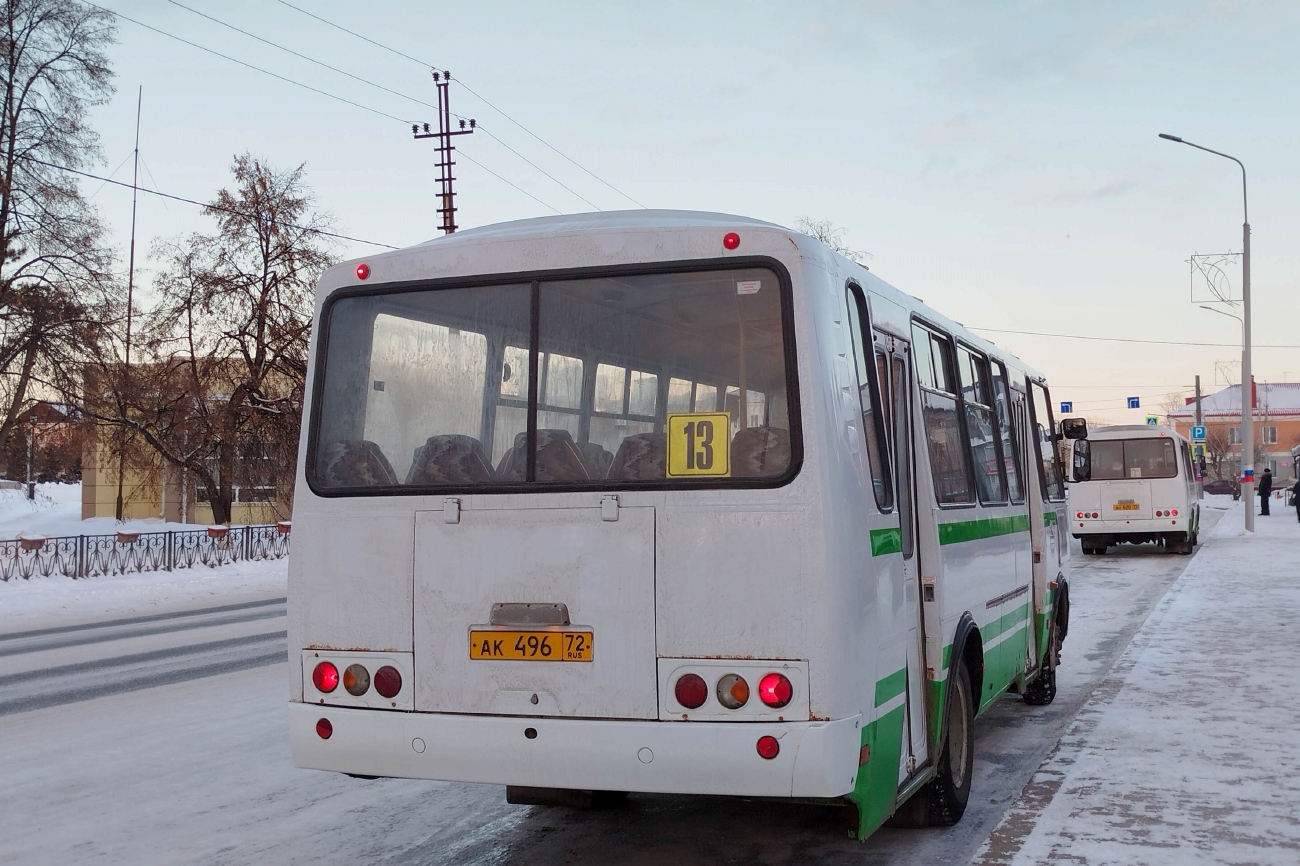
(789, 349)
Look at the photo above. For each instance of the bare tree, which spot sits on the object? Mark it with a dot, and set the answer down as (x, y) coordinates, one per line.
(831, 235)
(221, 393)
(57, 289)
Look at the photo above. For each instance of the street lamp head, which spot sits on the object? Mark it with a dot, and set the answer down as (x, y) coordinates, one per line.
(1170, 137)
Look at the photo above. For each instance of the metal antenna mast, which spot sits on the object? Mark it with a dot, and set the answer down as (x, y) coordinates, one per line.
(445, 149)
(130, 289)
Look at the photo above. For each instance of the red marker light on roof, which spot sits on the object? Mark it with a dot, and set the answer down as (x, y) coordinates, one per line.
(363, 271)
(731, 240)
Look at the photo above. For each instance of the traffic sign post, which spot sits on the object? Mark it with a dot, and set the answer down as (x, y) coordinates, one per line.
(1133, 403)
(1153, 420)
(1066, 407)
(1198, 432)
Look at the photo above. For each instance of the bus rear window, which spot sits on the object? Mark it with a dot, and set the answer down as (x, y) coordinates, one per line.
(638, 379)
(1116, 459)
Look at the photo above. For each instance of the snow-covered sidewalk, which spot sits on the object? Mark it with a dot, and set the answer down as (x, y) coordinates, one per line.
(1189, 750)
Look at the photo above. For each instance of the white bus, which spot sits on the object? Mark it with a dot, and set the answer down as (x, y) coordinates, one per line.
(1141, 488)
(670, 502)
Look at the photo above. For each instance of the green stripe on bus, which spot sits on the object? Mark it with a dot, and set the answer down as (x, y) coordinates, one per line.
(1004, 623)
(884, 541)
(989, 527)
(891, 686)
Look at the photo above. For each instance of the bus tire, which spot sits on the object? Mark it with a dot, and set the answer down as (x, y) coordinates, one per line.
(1042, 690)
(942, 802)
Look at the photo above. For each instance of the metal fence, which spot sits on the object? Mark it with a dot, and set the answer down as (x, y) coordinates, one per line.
(78, 556)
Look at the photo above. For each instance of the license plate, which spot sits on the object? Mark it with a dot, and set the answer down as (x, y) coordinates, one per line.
(1125, 506)
(549, 645)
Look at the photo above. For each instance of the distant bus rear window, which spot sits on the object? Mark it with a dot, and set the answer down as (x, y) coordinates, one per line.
(1117, 459)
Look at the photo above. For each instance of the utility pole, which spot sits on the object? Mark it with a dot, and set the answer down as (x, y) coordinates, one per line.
(445, 149)
(130, 286)
(1200, 458)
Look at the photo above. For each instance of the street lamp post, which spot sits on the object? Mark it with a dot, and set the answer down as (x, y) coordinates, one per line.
(1247, 381)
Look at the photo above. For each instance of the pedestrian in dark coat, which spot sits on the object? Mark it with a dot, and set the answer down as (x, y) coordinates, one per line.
(1295, 499)
(1265, 491)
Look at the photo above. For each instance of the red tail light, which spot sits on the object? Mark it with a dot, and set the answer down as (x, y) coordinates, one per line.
(363, 271)
(1080, 514)
(768, 747)
(325, 677)
(324, 729)
(775, 691)
(1174, 512)
(731, 240)
(388, 681)
(691, 691)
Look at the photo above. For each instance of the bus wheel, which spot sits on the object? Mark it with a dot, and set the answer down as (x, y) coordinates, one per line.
(942, 802)
(1042, 691)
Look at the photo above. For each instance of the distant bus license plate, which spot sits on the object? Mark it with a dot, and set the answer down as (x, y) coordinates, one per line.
(558, 645)
(1125, 506)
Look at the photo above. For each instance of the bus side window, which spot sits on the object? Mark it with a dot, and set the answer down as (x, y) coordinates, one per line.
(1010, 453)
(949, 460)
(869, 398)
(981, 426)
(1041, 407)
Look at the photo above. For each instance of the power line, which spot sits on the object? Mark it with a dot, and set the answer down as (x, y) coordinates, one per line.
(330, 95)
(1130, 340)
(145, 189)
(479, 96)
(462, 152)
(536, 166)
(249, 65)
(302, 56)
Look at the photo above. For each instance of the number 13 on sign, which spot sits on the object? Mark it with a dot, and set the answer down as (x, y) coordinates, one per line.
(699, 444)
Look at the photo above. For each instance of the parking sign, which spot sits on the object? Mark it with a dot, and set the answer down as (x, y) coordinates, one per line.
(1198, 432)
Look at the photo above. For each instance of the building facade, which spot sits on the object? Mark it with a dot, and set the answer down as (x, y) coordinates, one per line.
(1276, 418)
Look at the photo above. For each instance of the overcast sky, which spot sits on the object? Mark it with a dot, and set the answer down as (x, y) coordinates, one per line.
(998, 160)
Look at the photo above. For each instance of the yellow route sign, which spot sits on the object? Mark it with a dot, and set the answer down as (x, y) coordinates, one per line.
(699, 444)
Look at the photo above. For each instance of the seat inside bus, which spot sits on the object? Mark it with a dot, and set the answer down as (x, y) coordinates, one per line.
(450, 459)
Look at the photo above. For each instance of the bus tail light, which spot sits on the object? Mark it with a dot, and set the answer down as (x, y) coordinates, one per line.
(733, 691)
(1174, 512)
(325, 677)
(775, 691)
(324, 729)
(768, 747)
(388, 681)
(356, 679)
(691, 691)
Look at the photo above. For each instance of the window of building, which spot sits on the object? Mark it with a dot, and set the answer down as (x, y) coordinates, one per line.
(1270, 435)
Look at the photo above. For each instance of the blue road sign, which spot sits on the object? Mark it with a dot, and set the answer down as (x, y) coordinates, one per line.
(1133, 403)
(1153, 420)
(1066, 408)
(1198, 432)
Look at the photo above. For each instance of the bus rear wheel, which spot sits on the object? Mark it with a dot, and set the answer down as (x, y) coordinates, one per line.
(942, 802)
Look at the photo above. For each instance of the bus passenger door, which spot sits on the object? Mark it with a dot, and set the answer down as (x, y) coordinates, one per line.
(900, 390)
(1035, 498)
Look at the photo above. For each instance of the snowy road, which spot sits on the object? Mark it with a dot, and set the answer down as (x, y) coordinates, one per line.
(66, 664)
(145, 753)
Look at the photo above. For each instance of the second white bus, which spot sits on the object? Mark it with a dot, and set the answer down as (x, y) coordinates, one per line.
(1141, 488)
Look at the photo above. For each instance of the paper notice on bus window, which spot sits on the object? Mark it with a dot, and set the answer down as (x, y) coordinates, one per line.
(1135, 472)
(748, 287)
